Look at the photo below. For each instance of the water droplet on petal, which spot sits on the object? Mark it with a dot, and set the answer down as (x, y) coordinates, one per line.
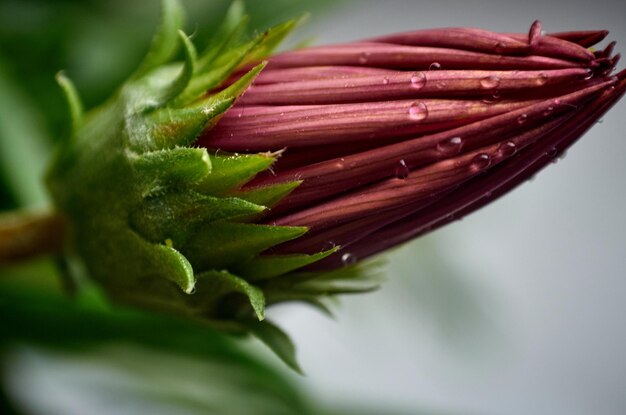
(490, 82)
(385, 81)
(363, 58)
(589, 74)
(553, 152)
(450, 146)
(500, 47)
(541, 79)
(418, 111)
(481, 161)
(193, 290)
(493, 98)
(508, 148)
(402, 170)
(435, 66)
(548, 110)
(600, 121)
(348, 259)
(418, 80)
(522, 119)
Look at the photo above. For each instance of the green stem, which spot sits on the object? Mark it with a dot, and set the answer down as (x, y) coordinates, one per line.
(26, 235)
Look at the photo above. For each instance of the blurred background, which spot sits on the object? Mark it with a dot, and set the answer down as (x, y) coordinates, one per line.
(517, 309)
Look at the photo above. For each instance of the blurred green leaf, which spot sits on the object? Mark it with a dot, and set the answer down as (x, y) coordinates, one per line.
(24, 148)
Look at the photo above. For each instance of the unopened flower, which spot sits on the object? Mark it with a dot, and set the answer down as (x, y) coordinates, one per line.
(187, 195)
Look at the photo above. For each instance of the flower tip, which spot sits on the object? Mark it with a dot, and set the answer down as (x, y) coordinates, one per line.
(534, 33)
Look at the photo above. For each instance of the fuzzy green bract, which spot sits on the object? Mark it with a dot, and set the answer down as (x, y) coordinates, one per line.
(165, 225)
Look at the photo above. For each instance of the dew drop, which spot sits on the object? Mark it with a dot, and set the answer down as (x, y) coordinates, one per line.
(508, 148)
(418, 111)
(481, 161)
(589, 75)
(435, 66)
(500, 47)
(450, 146)
(363, 58)
(493, 98)
(548, 111)
(542, 79)
(348, 259)
(402, 170)
(553, 152)
(418, 80)
(193, 290)
(522, 119)
(600, 121)
(329, 245)
(385, 81)
(490, 82)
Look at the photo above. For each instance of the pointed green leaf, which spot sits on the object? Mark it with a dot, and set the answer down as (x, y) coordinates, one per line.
(232, 28)
(233, 170)
(269, 266)
(180, 82)
(276, 340)
(276, 297)
(158, 170)
(174, 216)
(267, 195)
(73, 100)
(220, 283)
(209, 80)
(166, 41)
(175, 266)
(180, 127)
(272, 38)
(220, 245)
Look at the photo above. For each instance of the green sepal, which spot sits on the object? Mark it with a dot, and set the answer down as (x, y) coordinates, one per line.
(171, 127)
(352, 279)
(212, 78)
(177, 85)
(165, 42)
(179, 270)
(269, 266)
(267, 195)
(233, 170)
(276, 340)
(310, 299)
(229, 33)
(175, 215)
(221, 245)
(74, 102)
(155, 171)
(272, 38)
(221, 283)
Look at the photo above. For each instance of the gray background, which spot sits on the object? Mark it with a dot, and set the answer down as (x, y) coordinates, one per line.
(517, 309)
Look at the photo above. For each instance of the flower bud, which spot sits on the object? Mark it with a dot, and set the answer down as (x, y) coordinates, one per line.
(185, 195)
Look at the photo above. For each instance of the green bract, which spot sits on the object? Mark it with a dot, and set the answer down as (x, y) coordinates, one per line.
(165, 225)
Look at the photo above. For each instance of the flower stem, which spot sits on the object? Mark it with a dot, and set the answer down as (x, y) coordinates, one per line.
(26, 235)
